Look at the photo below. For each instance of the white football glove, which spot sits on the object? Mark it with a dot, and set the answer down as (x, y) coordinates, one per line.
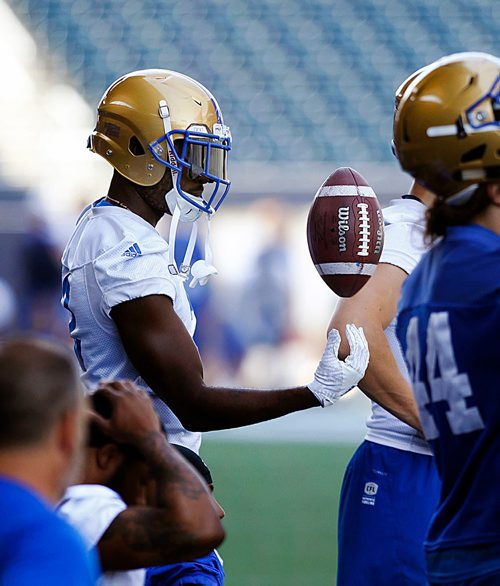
(334, 377)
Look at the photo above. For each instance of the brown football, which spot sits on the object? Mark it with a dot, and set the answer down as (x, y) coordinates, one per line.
(345, 231)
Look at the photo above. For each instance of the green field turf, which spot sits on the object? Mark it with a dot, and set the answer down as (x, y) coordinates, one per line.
(281, 504)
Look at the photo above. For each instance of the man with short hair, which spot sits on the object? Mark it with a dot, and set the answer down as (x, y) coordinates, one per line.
(41, 422)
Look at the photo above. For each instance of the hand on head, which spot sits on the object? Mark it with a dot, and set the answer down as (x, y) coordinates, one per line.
(131, 412)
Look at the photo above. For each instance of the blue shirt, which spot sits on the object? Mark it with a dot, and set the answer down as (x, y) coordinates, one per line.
(204, 571)
(449, 328)
(38, 548)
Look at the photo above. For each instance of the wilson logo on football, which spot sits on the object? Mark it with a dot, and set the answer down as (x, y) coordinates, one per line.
(343, 225)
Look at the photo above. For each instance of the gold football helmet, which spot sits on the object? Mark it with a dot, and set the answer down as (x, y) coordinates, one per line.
(447, 124)
(402, 88)
(151, 119)
(397, 99)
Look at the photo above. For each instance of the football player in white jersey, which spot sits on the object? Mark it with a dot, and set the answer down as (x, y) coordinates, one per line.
(390, 488)
(165, 136)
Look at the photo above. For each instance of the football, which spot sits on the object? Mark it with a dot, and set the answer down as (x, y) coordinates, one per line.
(345, 231)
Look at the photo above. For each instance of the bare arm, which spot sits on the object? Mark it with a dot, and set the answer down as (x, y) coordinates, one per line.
(162, 350)
(181, 520)
(374, 307)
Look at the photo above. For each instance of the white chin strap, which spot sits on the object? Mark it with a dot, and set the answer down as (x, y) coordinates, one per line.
(183, 211)
(202, 269)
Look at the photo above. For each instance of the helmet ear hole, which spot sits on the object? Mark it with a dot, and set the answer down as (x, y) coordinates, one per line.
(474, 154)
(135, 147)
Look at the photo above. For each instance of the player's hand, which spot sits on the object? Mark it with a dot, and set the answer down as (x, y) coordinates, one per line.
(132, 416)
(334, 377)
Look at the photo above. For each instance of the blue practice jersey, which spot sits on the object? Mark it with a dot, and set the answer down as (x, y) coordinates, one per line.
(204, 571)
(449, 328)
(36, 546)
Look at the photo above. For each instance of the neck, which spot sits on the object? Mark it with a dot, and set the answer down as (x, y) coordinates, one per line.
(90, 471)
(33, 467)
(424, 195)
(125, 193)
(489, 218)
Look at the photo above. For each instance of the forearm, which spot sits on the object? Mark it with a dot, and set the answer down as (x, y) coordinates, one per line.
(164, 354)
(213, 408)
(383, 381)
(179, 523)
(374, 308)
(176, 483)
(384, 384)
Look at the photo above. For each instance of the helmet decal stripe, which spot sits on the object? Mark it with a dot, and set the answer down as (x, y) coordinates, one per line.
(452, 130)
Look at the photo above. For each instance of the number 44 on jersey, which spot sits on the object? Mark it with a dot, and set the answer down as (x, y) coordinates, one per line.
(444, 382)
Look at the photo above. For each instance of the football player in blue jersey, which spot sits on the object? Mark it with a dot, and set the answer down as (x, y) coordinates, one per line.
(394, 464)
(447, 135)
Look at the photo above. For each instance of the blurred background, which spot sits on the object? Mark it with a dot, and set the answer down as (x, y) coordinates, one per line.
(306, 86)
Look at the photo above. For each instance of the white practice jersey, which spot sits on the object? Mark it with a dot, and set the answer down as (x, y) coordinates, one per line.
(114, 256)
(404, 221)
(90, 509)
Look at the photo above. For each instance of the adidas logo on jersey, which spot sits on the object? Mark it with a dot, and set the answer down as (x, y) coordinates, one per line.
(133, 251)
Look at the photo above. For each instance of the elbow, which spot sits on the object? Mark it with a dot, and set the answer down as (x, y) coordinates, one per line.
(212, 537)
(191, 421)
(193, 412)
(202, 538)
(344, 349)
(191, 403)
(343, 353)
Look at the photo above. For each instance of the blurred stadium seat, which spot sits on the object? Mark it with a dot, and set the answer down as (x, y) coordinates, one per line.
(297, 79)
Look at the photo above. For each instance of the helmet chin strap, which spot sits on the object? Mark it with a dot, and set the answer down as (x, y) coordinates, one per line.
(183, 211)
(203, 269)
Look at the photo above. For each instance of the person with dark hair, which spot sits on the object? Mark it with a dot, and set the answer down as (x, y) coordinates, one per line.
(41, 434)
(139, 502)
(204, 571)
(448, 137)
